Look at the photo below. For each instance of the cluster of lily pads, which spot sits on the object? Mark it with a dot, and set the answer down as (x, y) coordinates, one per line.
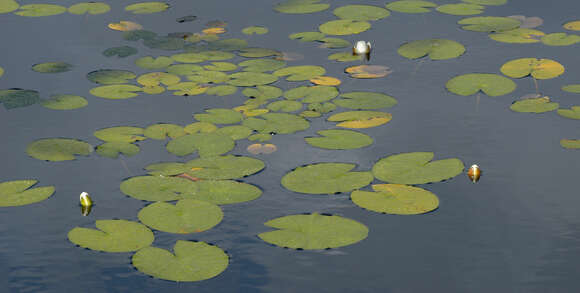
(93, 8)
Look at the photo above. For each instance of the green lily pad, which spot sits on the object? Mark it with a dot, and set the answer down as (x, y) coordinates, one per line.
(65, 102)
(219, 116)
(411, 6)
(149, 62)
(437, 49)
(216, 55)
(416, 168)
(344, 27)
(137, 35)
(365, 100)
(344, 57)
(314, 231)
(187, 88)
(486, 2)
(206, 144)
(312, 94)
(155, 188)
(261, 137)
(121, 51)
(322, 107)
(16, 98)
(153, 79)
(262, 92)
(112, 236)
(89, 8)
(519, 36)
(360, 119)
(113, 149)
(255, 30)
(52, 67)
(284, 106)
(226, 191)
(491, 84)
(188, 57)
(461, 9)
(161, 131)
(538, 68)
(1, 71)
(236, 132)
(223, 167)
(147, 7)
(396, 199)
(186, 216)
(326, 178)
(338, 139)
(307, 36)
(361, 12)
(301, 6)
(251, 79)
(120, 134)
(489, 24)
(110, 76)
(17, 193)
(310, 114)
(570, 143)
(261, 65)
(536, 105)
(208, 77)
(221, 66)
(116, 91)
(257, 52)
(183, 69)
(203, 127)
(299, 73)
(572, 113)
(572, 88)
(277, 123)
(334, 43)
(560, 39)
(7, 6)
(58, 149)
(35, 10)
(222, 90)
(192, 261)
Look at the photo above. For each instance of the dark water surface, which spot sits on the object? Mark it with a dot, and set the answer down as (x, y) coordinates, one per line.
(517, 230)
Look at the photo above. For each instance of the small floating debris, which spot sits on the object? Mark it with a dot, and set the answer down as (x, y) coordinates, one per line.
(362, 48)
(474, 173)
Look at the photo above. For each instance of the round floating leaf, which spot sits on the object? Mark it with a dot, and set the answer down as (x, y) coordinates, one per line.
(337, 139)
(325, 178)
(221, 66)
(52, 67)
(262, 65)
(411, 6)
(16, 98)
(65, 102)
(570, 143)
(161, 131)
(139, 35)
(8, 6)
(58, 149)
(89, 8)
(538, 68)
(298, 73)
(365, 100)
(206, 144)
(528, 22)
(223, 167)
(113, 149)
(536, 105)
(344, 57)
(307, 36)
(461, 9)
(226, 191)
(301, 6)
(262, 92)
(149, 62)
(35, 10)
(396, 199)
(416, 168)
(491, 84)
(203, 127)
(208, 77)
(216, 55)
(116, 91)
(489, 24)
(255, 30)
(437, 49)
(261, 137)
(121, 52)
(120, 134)
(259, 148)
(333, 43)
(251, 78)
(560, 39)
(344, 27)
(277, 123)
(17, 193)
(257, 52)
(572, 113)
(186, 216)
(572, 25)
(236, 132)
(156, 188)
(187, 89)
(325, 80)
(157, 78)
(192, 261)
(112, 236)
(312, 94)
(368, 71)
(110, 76)
(147, 7)
(314, 231)
(125, 26)
(519, 35)
(222, 90)
(322, 107)
(361, 12)
(285, 106)
(1, 71)
(572, 88)
(486, 2)
(360, 119)
(184, 69)
(219, 116)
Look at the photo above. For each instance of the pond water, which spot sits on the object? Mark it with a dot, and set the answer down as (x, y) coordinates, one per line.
(516, 230)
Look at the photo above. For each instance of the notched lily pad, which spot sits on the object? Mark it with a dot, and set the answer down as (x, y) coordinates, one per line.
(112, 236)
(224, 167)
(489, 24)
(301, 6)
(360, 119)
(277, 123)
(35, 10)
(572, 113)
(344, 27)
(461, 9)
(534, 105)
(255, 30)
(19, 193)
(110, 76)
(339, 139)
(368, 71)
(325, 178)
(92, 8)
(120, 134)
(161, 131)
(491, 84)
(121, 51)
(149, 62)
(312, 94)
(416, 168)
(58, 149)
(361, 12)
(52, 67)
(519, 35)
(116, 91)
(560, 39)
(206, 144)
(436, 49)
(186, 216)
(156, 188)
(397, 199)
(251, 78)
(219, 116)
(570, 143)
(114, 149)
(307, 36)
(538, 68)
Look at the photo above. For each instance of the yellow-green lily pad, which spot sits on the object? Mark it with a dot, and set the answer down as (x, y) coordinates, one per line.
(110, 76)
(396, 199)
(344, 27)
(538, 68)
(301, 6)
(18, 193)
(299, 73)
(52, 67)
(262, 92)
(361, 12)
(572, 88)
(58, 149)
(518, 36)
(223, 167)
(461, 9)
(36, 10)
(255, 30)
(489, 24)
(65, 102)
(147, 7)
(560, 39)
(121, 51)
(411, 6)
(572, 113)
(436, 49)
(116, 91)
(161, 131)
(7, 6)
(339, 139)
(325, 178)
(307, 36)
(334, 43)
(277, 123)
(486, 2)
(222, 90)
(149, 62)
(206, 144)
(312, 94)
(257, 52)
(112, 236)
(534, 105)
(360, 119)
(156, 188)
(221, 66)
(285, 106)
(183, 69)
(570, 143)
(186, 216)
(120, 134)
(491, 84)
(262, 65)
(219, 116)
(251, 78)
(416, 168)
(92, 8)
(226, 191)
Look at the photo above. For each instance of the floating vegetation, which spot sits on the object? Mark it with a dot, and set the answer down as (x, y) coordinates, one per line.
(325, 80)
(537, 68)
(65, 102)
(344, 27)
(416, 168)
(312, 94)
(397, 199)
(36, 10)
(186, 216)
(572, 25)
(339, 139)
(461, 9)
(7, 6)
(528, 22)
(365, 100)
(112, 236)
(116, 91)
(114, 149)
(325, 178)
(560, 39)
(486, 2)
(58, 149)
(147, 7)
(436, 49)
(534, 105)
(572, 88)
(307, 36)
(491, 84)
(92, 8)
(360, 119)
(489, 24)
(414, 6)
(519, 35)
(255, 30)
(125, 25)
(121, 51)
(52, 67)
(361, 12)
(572, 113)
(120, 134)
(570, 143)
(149, 62)
(16, 98)
(301, 6)
(19, 193)
(368, 71)
(259, 148)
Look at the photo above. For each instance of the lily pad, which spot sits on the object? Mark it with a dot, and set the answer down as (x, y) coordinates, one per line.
(221, 66)
(208, 77)
(262, 65)
(110, 76)
(161, 131)
(361, 12)
(155, 188)
(121, 51)
(519, 35)
(7, 6)
(572, 113)
(232, 44)
(312, 94)
(58, 149)
(538, 68)
(183, 69)
(321, 107)
(365, 100)
(301, 6)
(285, 106)
(224, 167)
(65, 102)
(560, 39)
(112, 236)
(186, 216)
(52, 67)
(307, 36)
(416, 168)
(147, 7)
(216, 55)
(461, 9)
(116, 91)
(344, 27)
(1, 71)
(113, 149)
(202, 127)
(120, 134)
(411, 6)
(299, 73)
(537, 105)
(314, 231)
(149, 62)
(222, 90)
(226, 191)
(18, 193)
(325, 80)
(489, 24)
(368, 71)
(251, 78)
(157, 78)
(255, 30)
(206, 144)
(236, 132)
(491, 84)
(436, 49)
(486, 2)
(572, 88)
(396, 199)
(570, 143)
(35, 10)
(89, 8)
(262, 92)
(259, 148)
(360, 119)
(338, 139)
(277, 123)
(192, 261)
(139, 35)
(257, 52)
(219, 116)
(334, 43)
(325, 178)
(572, 25)
(16, 98)
(188, 89)
(528, 21)
(344, 57)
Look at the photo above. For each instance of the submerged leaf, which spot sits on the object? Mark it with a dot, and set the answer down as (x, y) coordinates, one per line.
(416, 168)
(491, 84)
(16, 98)
(186, 216)
(396, 199)
(325, 178)
(19, 193)
(52, 67)
(338, 139)
(58, 149)
(112, 236)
